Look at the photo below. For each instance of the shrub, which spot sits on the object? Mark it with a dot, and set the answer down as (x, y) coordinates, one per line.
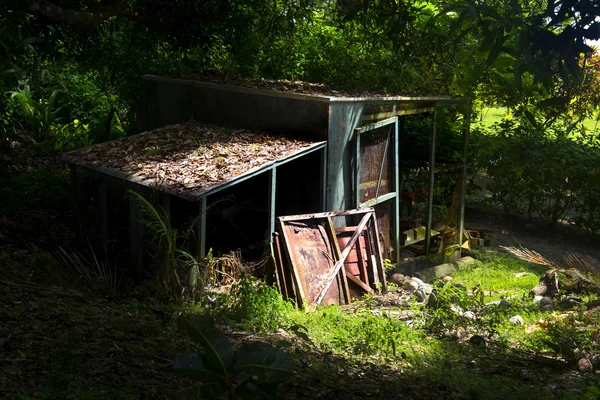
(541, 171)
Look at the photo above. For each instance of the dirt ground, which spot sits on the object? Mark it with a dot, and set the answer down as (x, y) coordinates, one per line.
(533, 235)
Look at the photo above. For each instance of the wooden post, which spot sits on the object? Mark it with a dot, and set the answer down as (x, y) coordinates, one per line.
(463, 188)
(103, 209)
(136, 236)
(202, 228)
(272, 202)
(431, 183)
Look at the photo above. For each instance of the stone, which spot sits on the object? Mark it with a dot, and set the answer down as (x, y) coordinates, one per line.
(423, 292)
(595, 360)
(502, 304)
(517, 320)
(456, 309)
(456, 334)
(537, 299)
(411, 285)
(470, 315)
(397, 278)
(539, 290)
(548, 307)
(447, 279)
(571, 301)
(439, 271)
(544, 301)
(585, 365)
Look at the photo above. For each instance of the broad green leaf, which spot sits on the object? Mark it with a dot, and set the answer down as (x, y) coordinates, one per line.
(268, 364)
(217, 350)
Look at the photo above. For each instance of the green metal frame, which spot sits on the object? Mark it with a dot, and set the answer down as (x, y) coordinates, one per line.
(392, 141)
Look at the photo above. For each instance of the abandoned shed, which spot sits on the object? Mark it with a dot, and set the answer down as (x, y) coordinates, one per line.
(319, 150)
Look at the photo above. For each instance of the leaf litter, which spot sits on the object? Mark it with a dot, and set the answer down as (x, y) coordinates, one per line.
(189, 157)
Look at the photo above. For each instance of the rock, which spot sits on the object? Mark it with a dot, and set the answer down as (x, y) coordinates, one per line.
(595, 360)
(545, 301)
(585, 365)
(517, 320)
(548, 307)
(537, 299)
(437, 272)
(456, 334)
(423, 292)
(447, 278)
(566, 280)
(412, 284)
(397, 278)
(470, 315)
(502, 304)
(571, 301)
(539, 290)
(477, 340)
(456, 309)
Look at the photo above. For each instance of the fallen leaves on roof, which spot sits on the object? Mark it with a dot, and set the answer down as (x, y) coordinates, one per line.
(189, 157)
(287, 86)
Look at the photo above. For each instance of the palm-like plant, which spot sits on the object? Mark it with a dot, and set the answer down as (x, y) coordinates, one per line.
(39, 115)
(175, 261)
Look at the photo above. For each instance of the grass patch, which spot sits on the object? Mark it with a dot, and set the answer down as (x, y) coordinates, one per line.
(499, 274)
(61, 345)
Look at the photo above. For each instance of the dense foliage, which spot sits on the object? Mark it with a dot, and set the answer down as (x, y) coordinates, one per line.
(71, 72)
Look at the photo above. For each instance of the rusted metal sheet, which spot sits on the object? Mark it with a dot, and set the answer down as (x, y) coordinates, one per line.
(312, 257)
(330, 267)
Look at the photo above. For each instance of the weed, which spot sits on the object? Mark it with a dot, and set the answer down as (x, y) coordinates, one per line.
(255, 305)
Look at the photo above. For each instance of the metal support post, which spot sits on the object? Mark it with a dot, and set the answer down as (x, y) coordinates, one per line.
(431, 184)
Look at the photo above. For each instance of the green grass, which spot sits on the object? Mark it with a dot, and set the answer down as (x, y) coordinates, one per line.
(62, 345)
(488, 116)
(497, 275)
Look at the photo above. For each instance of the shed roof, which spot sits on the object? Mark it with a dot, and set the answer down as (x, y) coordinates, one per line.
(190, 160)
(306, 90)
